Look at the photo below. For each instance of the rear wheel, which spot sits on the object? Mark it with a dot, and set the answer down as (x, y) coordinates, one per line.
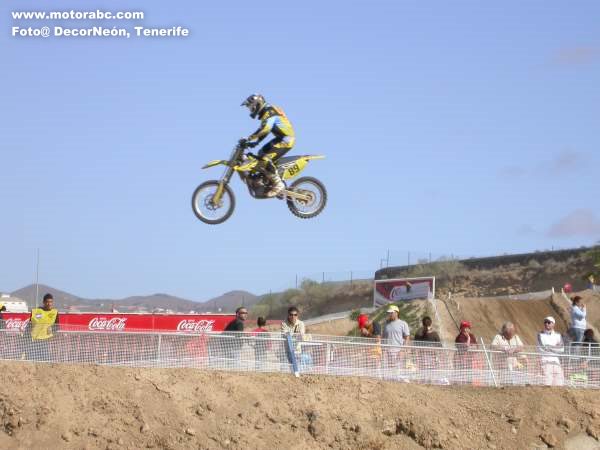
(315, 190)
(206, 210)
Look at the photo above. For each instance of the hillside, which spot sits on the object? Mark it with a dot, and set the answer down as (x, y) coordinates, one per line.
(502, 275)
(66, 301)
(229, 301)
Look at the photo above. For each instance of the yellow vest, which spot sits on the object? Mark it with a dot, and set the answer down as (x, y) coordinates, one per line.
(41, 321)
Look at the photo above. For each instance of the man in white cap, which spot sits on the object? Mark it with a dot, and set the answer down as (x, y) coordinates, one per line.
(397, 333)
(550, 344)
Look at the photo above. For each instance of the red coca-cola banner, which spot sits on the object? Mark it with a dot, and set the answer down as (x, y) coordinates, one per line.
(113, 322)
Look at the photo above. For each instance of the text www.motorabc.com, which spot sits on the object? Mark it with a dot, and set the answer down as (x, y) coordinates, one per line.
(77, 15)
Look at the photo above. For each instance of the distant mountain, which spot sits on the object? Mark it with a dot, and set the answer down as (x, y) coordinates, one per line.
(227, 302)
(62, 299)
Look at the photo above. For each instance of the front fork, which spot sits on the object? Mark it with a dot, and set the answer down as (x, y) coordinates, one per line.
(216, 200)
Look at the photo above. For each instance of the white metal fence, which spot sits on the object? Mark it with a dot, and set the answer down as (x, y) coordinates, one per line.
(478, 365)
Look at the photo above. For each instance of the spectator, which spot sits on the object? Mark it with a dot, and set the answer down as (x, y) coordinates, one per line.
(237, 324)
(427, 360)
(261, 345)
(293, 324)
(464, 358)
(396, 333)
(368, 328)
(510, 344)
(2, 310)
(578, 322)
(233, 347)
(41, 329)
(590, 281)
(427, 334)
(591, 347)
(550, 344)
(371, 329)
(465, 338)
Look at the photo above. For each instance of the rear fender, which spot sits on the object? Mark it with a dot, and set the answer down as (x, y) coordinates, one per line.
(293, 168)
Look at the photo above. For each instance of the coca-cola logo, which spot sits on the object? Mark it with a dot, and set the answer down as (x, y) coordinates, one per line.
(104, 324)
(195, 326)
(16, 324)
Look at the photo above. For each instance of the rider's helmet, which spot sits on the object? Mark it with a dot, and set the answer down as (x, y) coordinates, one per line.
(255, 103)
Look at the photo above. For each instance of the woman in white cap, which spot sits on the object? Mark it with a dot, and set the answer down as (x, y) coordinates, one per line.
(550, 344)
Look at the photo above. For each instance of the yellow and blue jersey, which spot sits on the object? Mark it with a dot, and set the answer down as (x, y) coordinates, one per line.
(273, 120)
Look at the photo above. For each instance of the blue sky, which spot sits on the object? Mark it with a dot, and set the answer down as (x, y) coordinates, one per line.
(449, 128)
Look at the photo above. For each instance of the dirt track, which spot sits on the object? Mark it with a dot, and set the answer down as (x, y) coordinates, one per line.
(75, 407)
(488, 314)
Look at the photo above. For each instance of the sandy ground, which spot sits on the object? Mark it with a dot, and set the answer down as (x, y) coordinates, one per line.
(338, 327)
(94, 407)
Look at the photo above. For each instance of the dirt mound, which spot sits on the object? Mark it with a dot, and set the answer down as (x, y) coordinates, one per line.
(74, 407)
(488, 314)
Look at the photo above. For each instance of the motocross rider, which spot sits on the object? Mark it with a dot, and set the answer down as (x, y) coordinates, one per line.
(273, 120)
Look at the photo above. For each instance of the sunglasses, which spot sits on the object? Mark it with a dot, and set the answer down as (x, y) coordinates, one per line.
(292, 314)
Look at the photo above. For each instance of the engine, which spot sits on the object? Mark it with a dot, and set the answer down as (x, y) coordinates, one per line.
(258, 185)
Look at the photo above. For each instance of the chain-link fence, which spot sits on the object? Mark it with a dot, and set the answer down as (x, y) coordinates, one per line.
(430, 363)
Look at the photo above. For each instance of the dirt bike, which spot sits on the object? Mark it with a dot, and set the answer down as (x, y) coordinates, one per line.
(213, 201)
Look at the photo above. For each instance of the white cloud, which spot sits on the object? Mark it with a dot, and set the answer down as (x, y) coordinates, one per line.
(581, 222)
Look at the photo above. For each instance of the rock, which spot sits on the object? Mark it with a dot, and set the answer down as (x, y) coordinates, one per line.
(259, 426)
(389, 428)
(66, 436)
(581, 441)
(137, 377)
(356, 428)
(489, 436)
(190, 432)
(516, 421)
(209, 408)
(120, 441)
(257, 404)
(199, 411)
(92, 432)
(144, 428)
(314, 429)
(492, 446)
(513, 430)
(567, 423)
(549, 439)
(312, 415)
(591, 431)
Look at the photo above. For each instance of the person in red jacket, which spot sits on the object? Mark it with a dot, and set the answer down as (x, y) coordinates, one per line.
(464, 357)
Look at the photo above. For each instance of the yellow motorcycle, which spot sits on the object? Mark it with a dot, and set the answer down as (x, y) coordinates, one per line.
(213, 201)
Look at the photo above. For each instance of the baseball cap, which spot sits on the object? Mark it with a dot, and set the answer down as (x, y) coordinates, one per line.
(550, 319)
(465, 324)
(362, 320)
(393, 308)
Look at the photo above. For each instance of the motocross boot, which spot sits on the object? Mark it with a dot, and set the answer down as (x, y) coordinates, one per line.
(277, 185)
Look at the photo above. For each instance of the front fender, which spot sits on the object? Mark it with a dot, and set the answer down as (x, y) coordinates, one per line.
(216, 162)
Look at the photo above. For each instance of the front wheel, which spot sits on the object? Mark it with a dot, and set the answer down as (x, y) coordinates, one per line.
(315, 190)
(206, 210)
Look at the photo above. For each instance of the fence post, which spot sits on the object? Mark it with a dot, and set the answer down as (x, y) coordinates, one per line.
(489, 362)
(158, 348)
(327, 358)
